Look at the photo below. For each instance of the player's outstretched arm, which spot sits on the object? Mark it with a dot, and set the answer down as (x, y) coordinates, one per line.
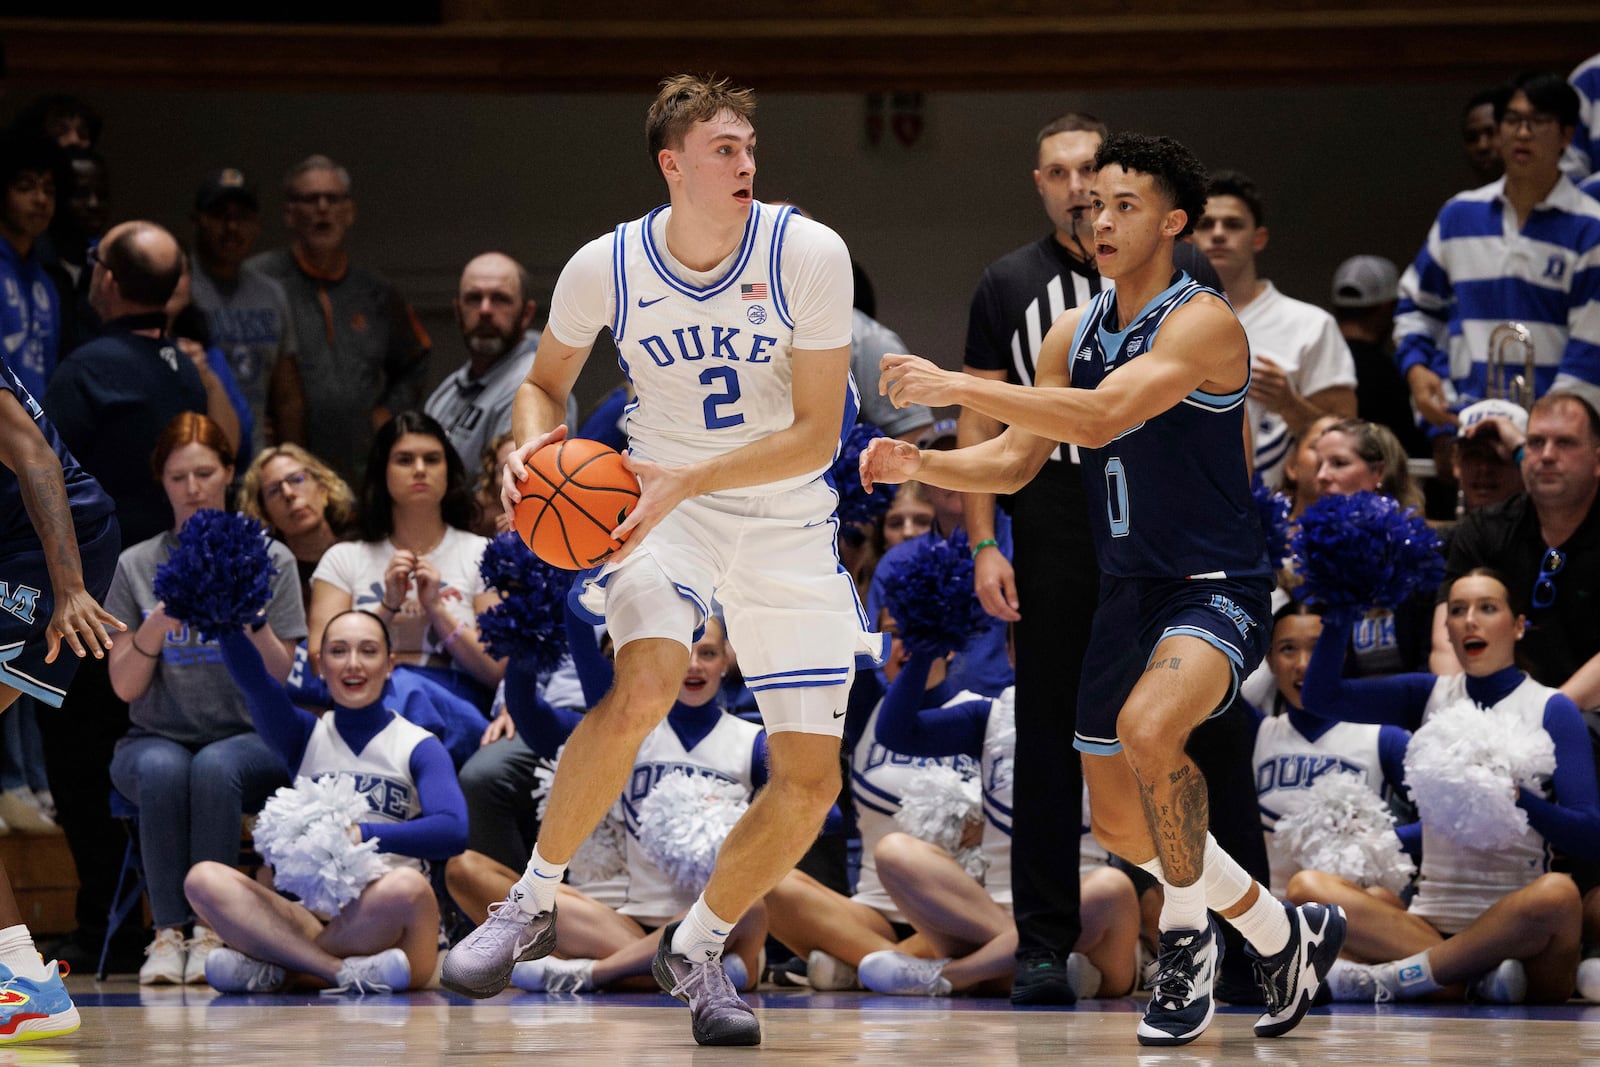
(1201, 344)
(78, 619)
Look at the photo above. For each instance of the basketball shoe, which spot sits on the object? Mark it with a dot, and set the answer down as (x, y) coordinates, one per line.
(828, 974)
(1290, 977)
(388, 971)
(552, 975)
(480, 966)
(33, 1011)
(1181, 1004)
(718, 1016)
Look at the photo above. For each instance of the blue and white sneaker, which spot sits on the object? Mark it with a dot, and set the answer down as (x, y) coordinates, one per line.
(1181, 1004)
(1291, 976)
(33, 1011)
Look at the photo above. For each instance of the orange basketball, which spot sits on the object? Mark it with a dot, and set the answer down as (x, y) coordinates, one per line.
(575, 494)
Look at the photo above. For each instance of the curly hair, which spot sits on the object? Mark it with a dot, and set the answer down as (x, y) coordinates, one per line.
(1174, 169)
(341, 508)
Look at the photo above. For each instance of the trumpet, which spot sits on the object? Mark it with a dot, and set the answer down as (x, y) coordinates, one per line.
(1500, 380)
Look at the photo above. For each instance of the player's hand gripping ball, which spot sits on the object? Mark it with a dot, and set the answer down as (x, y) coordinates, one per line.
(575, 494)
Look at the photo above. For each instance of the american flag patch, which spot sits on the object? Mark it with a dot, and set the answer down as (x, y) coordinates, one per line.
(758, 291)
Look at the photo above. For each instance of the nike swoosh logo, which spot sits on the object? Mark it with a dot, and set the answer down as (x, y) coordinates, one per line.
(541, 874)
(646, 303)
(838, 715)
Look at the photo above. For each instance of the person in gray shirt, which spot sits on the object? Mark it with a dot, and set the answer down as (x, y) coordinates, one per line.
(248, 312)
(495, 311)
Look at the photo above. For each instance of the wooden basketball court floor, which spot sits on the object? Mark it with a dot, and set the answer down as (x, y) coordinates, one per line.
(126, 1026)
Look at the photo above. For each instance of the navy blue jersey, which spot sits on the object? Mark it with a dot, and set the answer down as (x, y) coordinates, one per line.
(88, 501)
(1169, 498)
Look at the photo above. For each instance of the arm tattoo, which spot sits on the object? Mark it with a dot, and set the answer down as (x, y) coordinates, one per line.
(44, 496)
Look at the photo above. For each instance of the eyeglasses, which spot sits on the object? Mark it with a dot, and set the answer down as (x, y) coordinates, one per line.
(96, 257)
(278, 490)
(1544, 587)
(1515, 120)
(318, 199)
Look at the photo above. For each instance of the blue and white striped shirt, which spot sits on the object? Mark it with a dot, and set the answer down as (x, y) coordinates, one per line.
(1582, 156)
(1478, 271)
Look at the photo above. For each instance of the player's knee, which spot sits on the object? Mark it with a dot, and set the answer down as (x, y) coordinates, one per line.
(812, 786)
(1149, 738)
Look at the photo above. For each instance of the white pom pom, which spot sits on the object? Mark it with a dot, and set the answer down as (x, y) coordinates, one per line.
(601, 857)
(1000, 741)
(1463, 768)
(303, 833)
(682, 823)
(936, 805)
(1346, 829)
(544, 774)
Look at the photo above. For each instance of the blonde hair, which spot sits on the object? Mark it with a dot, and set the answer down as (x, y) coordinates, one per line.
(341, 509)
(686, 99)
(1376, 444)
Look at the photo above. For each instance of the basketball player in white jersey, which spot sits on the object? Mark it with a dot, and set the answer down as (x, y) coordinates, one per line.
(732, 320)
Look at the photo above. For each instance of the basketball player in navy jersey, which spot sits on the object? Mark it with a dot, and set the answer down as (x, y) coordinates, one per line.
(1149, 379)
(49, 597)
(732, 321)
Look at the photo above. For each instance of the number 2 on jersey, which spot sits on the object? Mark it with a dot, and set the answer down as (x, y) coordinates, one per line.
(726, 397)
(1117, 497)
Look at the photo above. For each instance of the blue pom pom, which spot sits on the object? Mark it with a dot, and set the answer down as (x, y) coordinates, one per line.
(1362, 550)
(1273, 511)
(931, 597)
(219, 576)
(856, 505)
(528, 623)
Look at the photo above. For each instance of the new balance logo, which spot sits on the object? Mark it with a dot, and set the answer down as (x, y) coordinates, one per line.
(20, 601)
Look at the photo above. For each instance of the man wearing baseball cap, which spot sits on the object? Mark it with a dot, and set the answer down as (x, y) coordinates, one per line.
(247, 311)
(1365, 290)
(1485, 455)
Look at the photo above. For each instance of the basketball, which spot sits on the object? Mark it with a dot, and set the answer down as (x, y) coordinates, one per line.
(575, 494)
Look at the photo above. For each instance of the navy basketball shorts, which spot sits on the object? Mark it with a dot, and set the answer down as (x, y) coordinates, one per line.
(1132, 618)
(27, 601)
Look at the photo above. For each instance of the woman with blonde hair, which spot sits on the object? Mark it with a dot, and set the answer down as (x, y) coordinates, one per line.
(302, 501)
(1355, 455)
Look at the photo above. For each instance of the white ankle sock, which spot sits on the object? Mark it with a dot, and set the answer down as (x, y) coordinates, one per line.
(1264, 924)
(17, 953)
(1408, 978)
(701, 934)
(539, 884)
(1184, 907)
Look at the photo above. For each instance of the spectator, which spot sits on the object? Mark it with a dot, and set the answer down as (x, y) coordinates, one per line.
(387, 939)
(1546, 541)
(248, 312)
(192, 762)
(1366, 290)
(494, 307)
(1485, 463)
(1474, 909)
(83, 215)
(303, 503)
(1480, 134)
(1475, 272)
(416, 564)
(1300, 365)
(110, 401)
(1582, 156)
(362, 351)
(66, 120)
(30, 311)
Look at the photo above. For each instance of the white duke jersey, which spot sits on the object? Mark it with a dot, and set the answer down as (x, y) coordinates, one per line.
(1287, 765)
(1459, 883)
(878, 778)
(727, 753)
(710, 353)
(381, 771)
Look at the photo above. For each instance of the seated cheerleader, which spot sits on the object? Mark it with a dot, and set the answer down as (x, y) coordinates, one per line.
(1295, 747)
(1492, 919)
(833, 932)
(387, 939)
(599, 946)
(966, 923)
